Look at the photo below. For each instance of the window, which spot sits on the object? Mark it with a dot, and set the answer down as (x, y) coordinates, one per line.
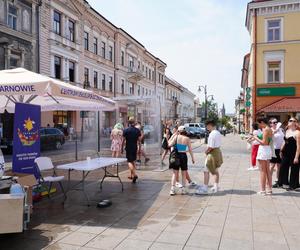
(131, 89)
(95, 79)
(146, 91)
(57, 67)
(110, 53)
(122, 86)
(143, 91)
(122, 58)
(86, 77)
(139, 90)
(273, 72)
(103, 49)
(12, 17)
(13, 62)
(131, 62)
(56, 22)
(139, 64)
(146, 71)
(71, 30)
(71, 71)
(149, 74)
(274, 30)
(86, 41)
(103, 82)
(152, 75)
(110, 84)
(95, 45)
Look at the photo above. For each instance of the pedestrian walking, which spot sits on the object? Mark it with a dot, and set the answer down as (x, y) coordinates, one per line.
(166, 136)
(254, 146)
(131, 136)
(188, 178)
(264, 156)
(290, 153)
(278, 141)
(214, 159)
(182, 144)
(141, 144)
(116, 137)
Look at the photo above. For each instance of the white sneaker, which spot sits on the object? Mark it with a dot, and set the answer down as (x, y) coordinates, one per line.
(214, 189)
(184, 191)
(192, 184)
(201, 191)
(178, 185)
(172, 192)
(250, 168)
(255, 169)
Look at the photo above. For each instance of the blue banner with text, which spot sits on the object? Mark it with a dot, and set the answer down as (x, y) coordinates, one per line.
(26, 140)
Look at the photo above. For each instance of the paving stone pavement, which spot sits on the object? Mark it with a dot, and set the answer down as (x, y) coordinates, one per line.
(144, 216)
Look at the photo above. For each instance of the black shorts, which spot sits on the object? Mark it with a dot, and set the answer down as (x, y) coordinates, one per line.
(276, 159)
(131, 156)
(183, 162)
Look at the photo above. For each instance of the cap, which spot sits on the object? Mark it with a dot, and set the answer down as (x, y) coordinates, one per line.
(181, 128)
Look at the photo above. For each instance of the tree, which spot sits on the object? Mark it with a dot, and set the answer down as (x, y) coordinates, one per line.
(212, 110)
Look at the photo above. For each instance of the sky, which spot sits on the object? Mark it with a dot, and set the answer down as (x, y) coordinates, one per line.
(203, 42)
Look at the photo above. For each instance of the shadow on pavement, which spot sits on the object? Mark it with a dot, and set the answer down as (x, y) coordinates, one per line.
(52, 221)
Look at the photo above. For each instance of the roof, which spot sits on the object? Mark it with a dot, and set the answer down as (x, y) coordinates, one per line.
(290, 104)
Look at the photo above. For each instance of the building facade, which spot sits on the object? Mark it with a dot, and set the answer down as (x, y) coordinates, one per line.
(180, 103)
(271, 77)
(89, 51)
(18, 34)
(18, 44)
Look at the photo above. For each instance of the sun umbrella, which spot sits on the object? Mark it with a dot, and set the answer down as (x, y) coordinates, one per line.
(21, 85)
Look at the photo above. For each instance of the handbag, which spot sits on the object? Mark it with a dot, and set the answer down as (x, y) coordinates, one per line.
(174, 160)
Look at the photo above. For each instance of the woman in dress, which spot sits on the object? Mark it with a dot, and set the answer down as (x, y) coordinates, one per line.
(167, 136)
(290, 153)
(116, 137)
(278, 140)
(264, 156)
(183, 145)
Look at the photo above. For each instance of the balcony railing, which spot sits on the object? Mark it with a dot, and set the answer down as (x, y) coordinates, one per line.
(135, 74)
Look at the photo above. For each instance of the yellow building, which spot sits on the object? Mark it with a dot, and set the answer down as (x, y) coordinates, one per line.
(271, 79)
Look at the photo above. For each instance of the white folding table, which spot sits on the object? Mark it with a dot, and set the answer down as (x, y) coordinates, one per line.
(90, 165)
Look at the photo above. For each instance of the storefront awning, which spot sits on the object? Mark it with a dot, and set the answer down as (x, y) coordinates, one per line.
(285, 105)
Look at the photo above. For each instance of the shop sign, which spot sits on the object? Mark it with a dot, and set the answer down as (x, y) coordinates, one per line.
(287, 91)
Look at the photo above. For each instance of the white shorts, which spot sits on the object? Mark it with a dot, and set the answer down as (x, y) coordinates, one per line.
(264, 153)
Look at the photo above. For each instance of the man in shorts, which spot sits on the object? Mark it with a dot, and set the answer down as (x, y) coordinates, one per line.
(131, 137)
(214, 159)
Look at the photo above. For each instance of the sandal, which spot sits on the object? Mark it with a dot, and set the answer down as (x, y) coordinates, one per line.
(269, 192)
(130, 177)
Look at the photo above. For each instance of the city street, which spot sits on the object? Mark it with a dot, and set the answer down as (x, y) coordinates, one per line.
(146, 217)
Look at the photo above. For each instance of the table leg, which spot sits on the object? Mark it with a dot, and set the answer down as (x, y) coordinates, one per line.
(105, 175)
(83, 188)
(119, 177)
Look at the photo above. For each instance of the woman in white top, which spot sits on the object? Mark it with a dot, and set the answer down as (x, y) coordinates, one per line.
(278, 141)
(254, 146)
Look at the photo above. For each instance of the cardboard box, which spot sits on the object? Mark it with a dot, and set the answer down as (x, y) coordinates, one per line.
(11, 213)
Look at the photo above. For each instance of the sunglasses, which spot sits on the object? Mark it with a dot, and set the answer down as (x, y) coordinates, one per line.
(292, 121)
(273, 122)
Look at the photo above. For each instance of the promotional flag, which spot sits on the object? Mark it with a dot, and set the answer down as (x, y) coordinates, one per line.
(26, 138)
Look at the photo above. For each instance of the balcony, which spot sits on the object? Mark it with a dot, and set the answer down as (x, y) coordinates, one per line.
(135, 74)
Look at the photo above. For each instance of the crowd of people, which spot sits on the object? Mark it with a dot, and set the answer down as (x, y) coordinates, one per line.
(275, 146)
(177, 144)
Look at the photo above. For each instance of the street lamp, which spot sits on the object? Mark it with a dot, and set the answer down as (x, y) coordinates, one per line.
(204, 88)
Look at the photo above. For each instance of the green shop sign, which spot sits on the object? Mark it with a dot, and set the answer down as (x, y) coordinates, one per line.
(288, 91)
